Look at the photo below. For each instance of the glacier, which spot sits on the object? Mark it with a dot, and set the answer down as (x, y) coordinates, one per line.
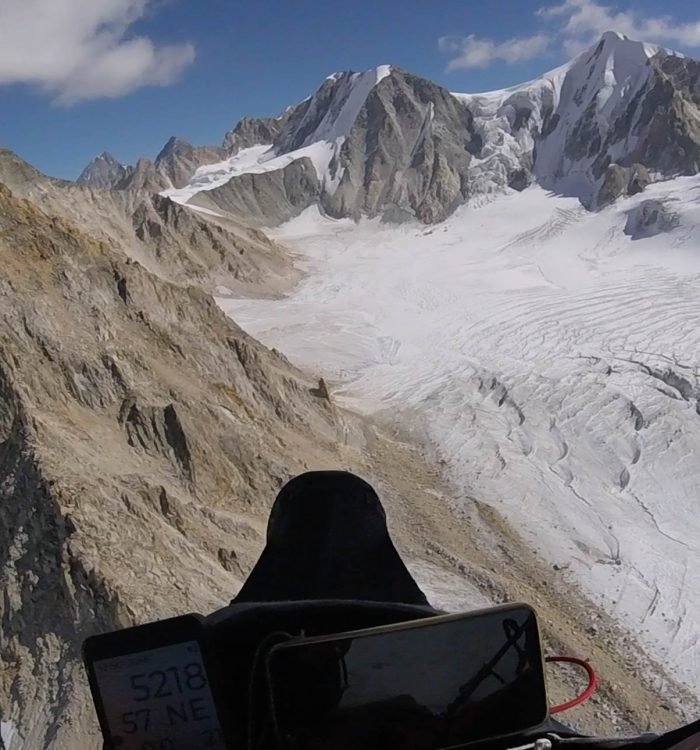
(551, 359)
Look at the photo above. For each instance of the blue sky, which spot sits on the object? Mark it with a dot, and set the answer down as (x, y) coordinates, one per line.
(81, 76)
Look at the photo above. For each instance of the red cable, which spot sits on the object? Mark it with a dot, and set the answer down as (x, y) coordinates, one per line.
(586, 694)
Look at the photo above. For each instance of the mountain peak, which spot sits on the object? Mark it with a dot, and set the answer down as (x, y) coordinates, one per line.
(614, 42)
(106, 156)
(329, 115)
(174, 145)
(102, 172)
(381, 71)
(612, 37)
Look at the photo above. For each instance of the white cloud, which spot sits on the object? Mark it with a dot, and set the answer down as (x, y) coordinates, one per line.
(472, 52)
(585, 20)
(572, 25)
(81, 49)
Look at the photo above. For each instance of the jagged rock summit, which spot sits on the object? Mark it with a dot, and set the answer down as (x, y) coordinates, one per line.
(104, 171)
(176, 162)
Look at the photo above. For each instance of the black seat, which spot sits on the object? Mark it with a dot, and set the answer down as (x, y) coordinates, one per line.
(327, 539)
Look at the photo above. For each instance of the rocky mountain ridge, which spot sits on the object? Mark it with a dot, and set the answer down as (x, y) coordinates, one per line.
(176, 162)
(104, 171)
(142, 434)
(176, 243)
(388, 143)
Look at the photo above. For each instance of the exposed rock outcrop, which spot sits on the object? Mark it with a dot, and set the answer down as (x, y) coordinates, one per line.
(178, 160)
(253, 131)
(267, 198)
(143, 176)
(620, 182)
(650, 218)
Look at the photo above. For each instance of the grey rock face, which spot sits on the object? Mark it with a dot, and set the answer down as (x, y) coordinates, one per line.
(103, 171)
(315, 117)
(252, 131)
(143, 176)
(410, 147)
(178, 160)
(619, 182)
(268, 198)
(668, 117)
(649, 219)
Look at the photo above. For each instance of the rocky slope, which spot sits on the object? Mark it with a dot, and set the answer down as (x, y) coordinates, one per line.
(142, 437)
(132, 416)
(176, 243)
(387, 143)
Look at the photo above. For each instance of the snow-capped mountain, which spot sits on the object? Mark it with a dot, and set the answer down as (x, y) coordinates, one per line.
(385, 142)
(628, 105)
(569, 126)
(364, 143)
